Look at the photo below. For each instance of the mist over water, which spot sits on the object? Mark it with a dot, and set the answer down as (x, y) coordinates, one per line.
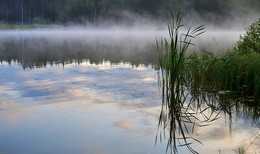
(134, 45)
(95, 45)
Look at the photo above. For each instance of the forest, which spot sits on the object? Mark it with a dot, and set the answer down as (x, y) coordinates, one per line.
(95, 11)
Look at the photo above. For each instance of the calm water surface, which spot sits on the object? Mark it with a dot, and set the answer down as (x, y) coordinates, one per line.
(97, 92)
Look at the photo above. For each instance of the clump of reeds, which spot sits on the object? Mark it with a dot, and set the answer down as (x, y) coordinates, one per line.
(173, 79)
(184, 79)
(234, 72)
(172, 53)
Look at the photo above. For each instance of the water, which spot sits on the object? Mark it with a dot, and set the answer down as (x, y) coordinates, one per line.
(72, 91)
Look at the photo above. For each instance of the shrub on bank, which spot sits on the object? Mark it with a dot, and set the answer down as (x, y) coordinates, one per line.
(250, 42)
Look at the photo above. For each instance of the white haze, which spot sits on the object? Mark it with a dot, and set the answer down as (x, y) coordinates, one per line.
(211, 40)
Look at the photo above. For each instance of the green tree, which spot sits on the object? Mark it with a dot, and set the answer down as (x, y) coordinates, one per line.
(250, 42)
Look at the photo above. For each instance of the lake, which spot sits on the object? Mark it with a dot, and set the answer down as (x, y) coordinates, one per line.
(96, 91)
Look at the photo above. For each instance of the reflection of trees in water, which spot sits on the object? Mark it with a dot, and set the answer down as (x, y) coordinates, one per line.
(40, 52)
(183, 112)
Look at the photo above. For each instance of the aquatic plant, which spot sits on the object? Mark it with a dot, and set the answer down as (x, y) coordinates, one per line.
(196, 88)
(234, 72)
(176, 114)
(172, 52)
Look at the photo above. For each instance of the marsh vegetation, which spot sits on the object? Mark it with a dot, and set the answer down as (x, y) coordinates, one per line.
(197, 88)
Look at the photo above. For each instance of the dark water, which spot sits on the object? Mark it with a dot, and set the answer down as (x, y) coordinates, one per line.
(97, 92)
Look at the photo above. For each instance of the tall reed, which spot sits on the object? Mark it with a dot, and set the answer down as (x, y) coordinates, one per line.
(172, 52)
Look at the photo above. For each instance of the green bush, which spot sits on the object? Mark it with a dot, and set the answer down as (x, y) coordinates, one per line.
(250, 42)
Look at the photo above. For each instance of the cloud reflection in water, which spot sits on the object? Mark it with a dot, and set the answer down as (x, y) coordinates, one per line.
(82, 108)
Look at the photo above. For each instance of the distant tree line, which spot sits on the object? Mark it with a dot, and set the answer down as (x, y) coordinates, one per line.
(64, 11)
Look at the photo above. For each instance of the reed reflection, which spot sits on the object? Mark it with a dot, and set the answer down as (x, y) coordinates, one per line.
(181, 114)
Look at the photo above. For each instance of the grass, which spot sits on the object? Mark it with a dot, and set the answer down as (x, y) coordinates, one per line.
(234, 72)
